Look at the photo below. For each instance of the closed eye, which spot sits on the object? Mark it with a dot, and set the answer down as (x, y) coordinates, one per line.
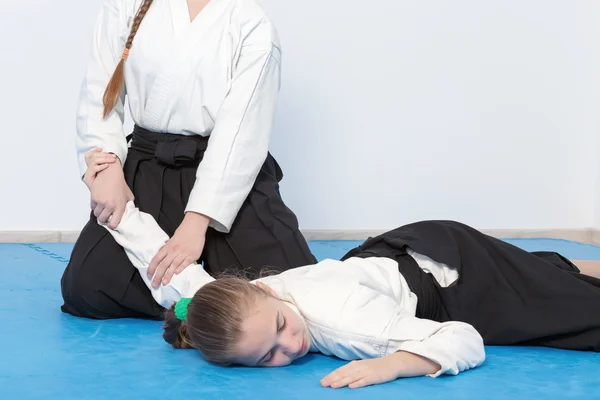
(266, 359)
(282, 326)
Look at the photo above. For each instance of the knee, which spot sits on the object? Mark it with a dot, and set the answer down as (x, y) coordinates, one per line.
(82, 293)
(75, 289)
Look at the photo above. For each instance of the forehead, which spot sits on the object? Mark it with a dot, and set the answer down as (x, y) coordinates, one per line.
(258, 330)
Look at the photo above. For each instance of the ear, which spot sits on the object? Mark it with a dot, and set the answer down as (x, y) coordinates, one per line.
(267, 289)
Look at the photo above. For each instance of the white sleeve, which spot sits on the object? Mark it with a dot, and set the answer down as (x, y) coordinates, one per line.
(239, 143)
(106, 48)
(455, 346)
(141, 237)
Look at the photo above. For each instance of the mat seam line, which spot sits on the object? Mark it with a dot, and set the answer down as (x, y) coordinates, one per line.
(46, 252)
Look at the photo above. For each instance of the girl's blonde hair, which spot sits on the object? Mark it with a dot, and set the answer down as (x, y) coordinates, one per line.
(214, 319)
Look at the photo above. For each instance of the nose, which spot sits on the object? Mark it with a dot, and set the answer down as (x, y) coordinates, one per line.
(292, 345)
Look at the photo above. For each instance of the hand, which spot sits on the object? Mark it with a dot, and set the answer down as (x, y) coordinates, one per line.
(110, 195)
(380, 370)
(183, 249)
(96, 161)
(361, 373)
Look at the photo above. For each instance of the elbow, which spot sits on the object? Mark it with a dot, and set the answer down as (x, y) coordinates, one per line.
(464, 349)
(480, 351)
(468, 347)
(474, 341)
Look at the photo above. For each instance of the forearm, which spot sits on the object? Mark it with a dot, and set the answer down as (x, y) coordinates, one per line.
(200, 221)
(454, 345)
(407, 365)
(373, 371)
(141, 237)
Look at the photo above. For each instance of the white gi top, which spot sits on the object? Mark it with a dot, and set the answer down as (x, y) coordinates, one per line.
(356, 309)
(363, 308)
(218, 75)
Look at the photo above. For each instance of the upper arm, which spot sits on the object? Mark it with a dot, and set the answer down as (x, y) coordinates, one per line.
(107, 44)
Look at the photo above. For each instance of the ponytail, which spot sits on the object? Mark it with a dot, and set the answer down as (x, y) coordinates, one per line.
(175, 331)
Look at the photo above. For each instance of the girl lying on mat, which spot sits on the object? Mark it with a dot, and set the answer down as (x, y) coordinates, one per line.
(422, 299)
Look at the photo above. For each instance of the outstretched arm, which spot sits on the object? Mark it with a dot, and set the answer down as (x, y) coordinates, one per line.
(141, 237)
(396, 344)
(361, 373)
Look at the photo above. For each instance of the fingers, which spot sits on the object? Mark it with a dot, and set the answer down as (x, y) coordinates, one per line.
(171, 269)
(89, 154)
(92, 172)
(105, 215)
(166, 263)
(360, 383)
(332, 377)
(352, 375)
(98, 210)
(157, 259)
(344, 381)
(109, 214)
(184, 264)
(103, 158)
(178, 253)
(116, 216)
(94, 169)
(96, 156)
(162, 268)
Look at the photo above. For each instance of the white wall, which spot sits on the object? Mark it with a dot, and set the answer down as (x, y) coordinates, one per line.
(391, 111)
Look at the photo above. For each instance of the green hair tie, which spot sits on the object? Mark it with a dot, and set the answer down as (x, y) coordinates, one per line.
(181, 308)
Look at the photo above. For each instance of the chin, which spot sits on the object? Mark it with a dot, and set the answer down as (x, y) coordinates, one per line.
(298, 358)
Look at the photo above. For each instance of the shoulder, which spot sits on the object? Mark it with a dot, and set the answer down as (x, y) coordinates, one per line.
(330, 288)
(122, 5)
(125, 9)
(347, 319)
(253, 20)
(251, 10)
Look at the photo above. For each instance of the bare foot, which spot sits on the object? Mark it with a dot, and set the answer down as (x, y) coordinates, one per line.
(588, 267)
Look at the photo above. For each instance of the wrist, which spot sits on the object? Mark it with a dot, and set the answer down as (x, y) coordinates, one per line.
(112, 169)
(408, 364)
(200, 221)
(116, 164)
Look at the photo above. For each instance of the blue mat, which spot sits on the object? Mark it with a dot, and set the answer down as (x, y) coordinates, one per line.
(49, 355)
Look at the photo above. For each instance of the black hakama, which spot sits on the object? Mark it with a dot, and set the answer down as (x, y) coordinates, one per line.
(100, 281)
(511, 296)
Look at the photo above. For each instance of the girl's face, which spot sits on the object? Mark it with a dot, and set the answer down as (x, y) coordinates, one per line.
(273, 335)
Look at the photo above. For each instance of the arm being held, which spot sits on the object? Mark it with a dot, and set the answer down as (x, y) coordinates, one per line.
(141, 237)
